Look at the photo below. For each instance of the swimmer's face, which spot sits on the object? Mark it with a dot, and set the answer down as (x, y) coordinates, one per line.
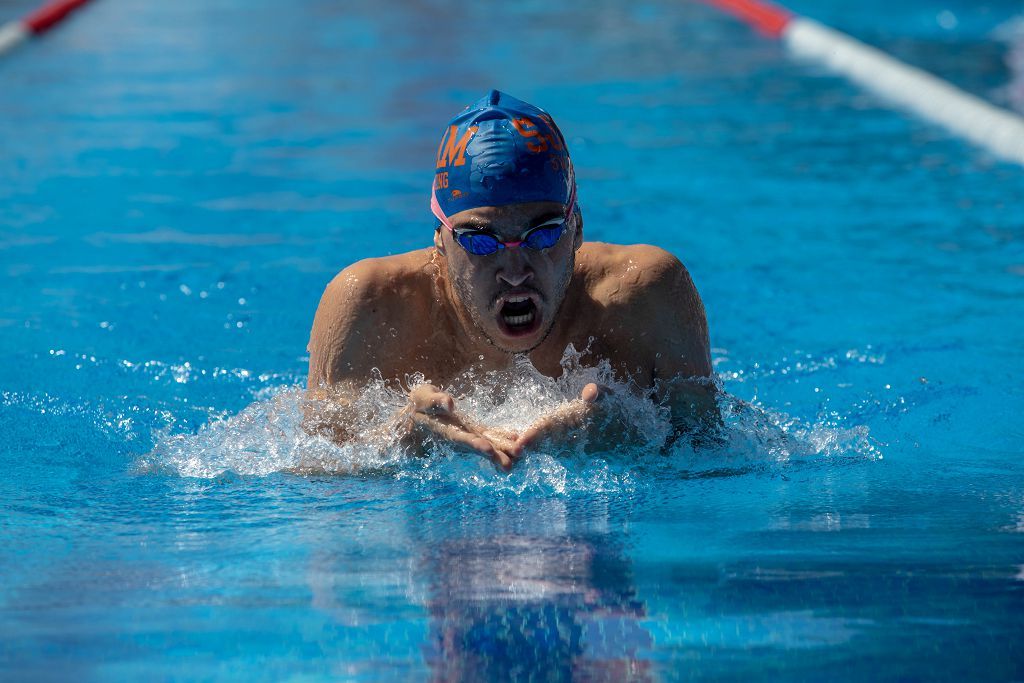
(512, 295)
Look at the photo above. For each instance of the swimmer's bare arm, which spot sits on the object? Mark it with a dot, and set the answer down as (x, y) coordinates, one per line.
(351, 340)
(682, 364)
(339, 362)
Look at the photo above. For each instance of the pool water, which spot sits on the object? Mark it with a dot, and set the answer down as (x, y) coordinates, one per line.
(180, 181)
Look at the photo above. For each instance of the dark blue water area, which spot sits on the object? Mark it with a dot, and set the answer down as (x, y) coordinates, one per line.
(179, 182)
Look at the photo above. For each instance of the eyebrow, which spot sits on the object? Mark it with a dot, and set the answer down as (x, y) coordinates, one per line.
(474, 222)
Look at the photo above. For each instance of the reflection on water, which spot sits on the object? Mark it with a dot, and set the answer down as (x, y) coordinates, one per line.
(558, 608)
(516, 604)
(178, 196)
(488, 589)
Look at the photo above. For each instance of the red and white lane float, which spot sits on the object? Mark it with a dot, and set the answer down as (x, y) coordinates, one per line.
(999, 131)
(43, 19)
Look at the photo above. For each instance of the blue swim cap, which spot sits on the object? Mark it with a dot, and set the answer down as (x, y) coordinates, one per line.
(500, 151)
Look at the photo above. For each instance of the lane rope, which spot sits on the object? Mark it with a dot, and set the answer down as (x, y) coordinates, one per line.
(998, 130)
(13, 33)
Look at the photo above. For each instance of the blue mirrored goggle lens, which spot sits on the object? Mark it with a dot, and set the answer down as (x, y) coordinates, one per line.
(544, 238)
(482, 243)
(479, 243)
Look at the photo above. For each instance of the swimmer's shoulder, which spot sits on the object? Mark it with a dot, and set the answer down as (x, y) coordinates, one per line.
(362, 311)
(380, 284)
(618, 273)
(651, 307)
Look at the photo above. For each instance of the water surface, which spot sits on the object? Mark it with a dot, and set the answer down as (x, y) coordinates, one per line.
(180, 180)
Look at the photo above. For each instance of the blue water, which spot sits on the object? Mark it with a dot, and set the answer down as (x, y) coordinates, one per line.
(181, 179)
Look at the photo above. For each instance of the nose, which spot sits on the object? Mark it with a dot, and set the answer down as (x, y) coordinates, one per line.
(515, 269)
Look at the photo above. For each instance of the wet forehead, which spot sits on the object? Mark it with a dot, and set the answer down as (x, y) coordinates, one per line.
(511, 219)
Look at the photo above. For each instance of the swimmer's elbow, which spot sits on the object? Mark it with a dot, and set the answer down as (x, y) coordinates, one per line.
(695, 412)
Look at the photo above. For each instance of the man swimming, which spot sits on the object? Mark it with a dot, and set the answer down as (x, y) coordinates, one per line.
(509, 274)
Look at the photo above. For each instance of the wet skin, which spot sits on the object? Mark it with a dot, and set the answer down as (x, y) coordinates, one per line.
(440, 311)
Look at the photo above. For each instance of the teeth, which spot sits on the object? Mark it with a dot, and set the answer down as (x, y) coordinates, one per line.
(517, 299)
(519, 319)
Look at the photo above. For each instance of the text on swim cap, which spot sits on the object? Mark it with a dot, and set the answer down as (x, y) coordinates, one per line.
(450, 152)
(528, 129)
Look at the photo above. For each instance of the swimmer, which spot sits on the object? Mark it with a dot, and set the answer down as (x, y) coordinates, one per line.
(509, 274)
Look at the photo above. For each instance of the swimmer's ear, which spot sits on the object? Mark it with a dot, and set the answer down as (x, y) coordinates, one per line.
(578, 237)
(438, 242)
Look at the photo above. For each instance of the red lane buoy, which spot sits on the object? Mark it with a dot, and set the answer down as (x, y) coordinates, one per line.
(13, 33)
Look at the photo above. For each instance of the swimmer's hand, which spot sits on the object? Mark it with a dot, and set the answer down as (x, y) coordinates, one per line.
(567, 420)
(431, 414)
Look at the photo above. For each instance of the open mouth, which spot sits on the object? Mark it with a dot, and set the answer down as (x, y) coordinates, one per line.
(518, 316)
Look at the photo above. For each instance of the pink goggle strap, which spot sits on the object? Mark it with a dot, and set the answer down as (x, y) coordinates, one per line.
(435, 208)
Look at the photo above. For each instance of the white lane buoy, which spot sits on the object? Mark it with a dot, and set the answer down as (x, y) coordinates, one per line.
(998, 130)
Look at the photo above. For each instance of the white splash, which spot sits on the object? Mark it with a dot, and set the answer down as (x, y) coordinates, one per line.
(269, 435)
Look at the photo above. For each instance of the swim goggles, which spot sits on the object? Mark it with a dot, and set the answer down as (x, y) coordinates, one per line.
(483, 243)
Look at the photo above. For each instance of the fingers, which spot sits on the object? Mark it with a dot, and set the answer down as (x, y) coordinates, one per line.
(500, 433)
(426, 398)
(500, 457)
(573, 416)
(527, 439)
(440, 404)
(593, 392)
(478, 444)
(455, 434)
(502, 439)
(432, 413)
(422, 389)
(569, 418)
